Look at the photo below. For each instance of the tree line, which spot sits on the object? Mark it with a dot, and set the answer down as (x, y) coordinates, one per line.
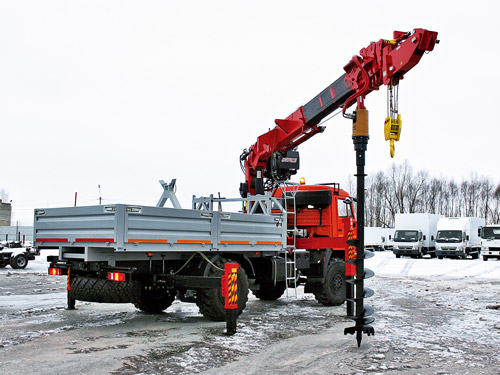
(401, 190)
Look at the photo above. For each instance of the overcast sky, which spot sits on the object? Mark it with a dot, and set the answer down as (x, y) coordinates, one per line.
(122, 93)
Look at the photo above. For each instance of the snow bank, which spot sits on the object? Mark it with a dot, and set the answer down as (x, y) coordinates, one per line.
(386, 264)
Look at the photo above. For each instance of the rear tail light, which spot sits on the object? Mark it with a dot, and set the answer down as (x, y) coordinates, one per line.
(55, 271)
(116, 276)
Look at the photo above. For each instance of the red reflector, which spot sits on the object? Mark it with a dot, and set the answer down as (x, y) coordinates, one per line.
(116, 276)
(55, 271)
(150, 255)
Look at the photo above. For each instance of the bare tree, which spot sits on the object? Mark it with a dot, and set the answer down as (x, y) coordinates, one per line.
(399, 190)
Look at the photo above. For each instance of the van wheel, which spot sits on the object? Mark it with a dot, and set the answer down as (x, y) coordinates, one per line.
(333, 291)
(19, 261)
(210, 301)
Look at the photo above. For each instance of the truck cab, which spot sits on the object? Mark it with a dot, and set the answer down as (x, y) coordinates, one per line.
(490, 241)
(408, 242)
(415, 235)
(457, 237)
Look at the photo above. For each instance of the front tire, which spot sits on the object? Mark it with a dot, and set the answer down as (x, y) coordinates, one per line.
(210, 301)
(19, 261)
(333, 291)
(485, 258)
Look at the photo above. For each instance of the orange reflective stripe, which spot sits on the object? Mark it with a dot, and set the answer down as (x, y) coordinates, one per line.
(146, 240)
(235, 242)
(194, 241)
(268, 243)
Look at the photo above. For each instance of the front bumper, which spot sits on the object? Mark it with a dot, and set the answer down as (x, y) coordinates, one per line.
(406, 251)
(450, 253)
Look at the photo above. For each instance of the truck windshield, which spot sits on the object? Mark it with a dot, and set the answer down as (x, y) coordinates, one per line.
(491, 233)
(406, 236)
(449, 236)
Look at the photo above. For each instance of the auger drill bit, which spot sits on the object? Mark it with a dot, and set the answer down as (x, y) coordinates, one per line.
(360, 313)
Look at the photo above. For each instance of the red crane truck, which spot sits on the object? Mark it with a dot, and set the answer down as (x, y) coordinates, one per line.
(284, 236)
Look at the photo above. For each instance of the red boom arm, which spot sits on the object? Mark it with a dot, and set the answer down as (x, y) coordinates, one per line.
(381, 63)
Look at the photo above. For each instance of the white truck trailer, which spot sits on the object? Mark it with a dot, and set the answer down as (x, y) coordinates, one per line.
(490, 241)
(457, 237)
(388, 234)
(375, 238)
(415, 234)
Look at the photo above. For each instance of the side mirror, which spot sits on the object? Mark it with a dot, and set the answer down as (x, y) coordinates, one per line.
(467, 237)
(432, 238)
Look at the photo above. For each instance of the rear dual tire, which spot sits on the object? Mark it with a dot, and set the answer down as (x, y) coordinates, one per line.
(155, 301)
(269, 291)
(210, 301)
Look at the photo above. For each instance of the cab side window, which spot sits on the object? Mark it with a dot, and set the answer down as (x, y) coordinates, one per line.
(344, 209)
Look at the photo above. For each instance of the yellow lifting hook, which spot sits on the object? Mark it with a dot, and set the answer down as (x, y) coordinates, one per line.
(392, 131)
(392, 125)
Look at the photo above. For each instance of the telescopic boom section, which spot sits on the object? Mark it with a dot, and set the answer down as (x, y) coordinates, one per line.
(381, 63)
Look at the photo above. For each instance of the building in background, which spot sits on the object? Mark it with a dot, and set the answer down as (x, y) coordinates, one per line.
(5, 213)
(16, 233)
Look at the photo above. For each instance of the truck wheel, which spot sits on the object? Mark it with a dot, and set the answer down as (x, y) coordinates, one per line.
(103, 290)
(485, 258)
(3, 264)
(270, 292)
(398, 255)
(475, 256)
(154, 301)
(18, 261)
(210, 301)
(333, 292)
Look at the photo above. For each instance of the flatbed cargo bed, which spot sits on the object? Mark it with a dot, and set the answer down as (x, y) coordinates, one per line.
(119, 231)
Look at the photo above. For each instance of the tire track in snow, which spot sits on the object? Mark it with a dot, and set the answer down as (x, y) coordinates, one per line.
(406, 269)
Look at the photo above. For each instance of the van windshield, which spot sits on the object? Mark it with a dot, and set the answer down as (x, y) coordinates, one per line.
(491, 233)
(449, 236)
(406, 236)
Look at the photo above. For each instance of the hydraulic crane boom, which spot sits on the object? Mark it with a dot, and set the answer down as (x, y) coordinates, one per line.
(381, 63)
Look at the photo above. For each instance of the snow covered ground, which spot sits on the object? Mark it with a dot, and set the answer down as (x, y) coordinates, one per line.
(432, 317)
